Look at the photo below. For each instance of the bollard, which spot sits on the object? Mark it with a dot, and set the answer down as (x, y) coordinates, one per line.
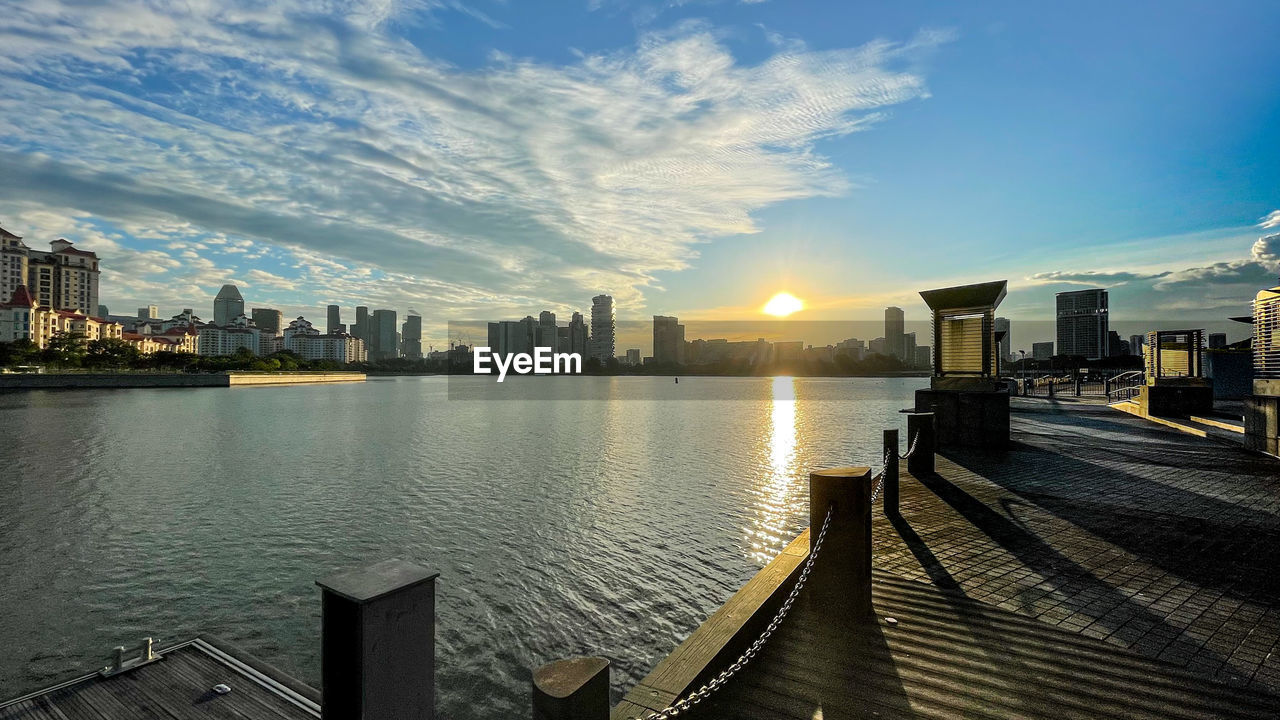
(573, 689)
(841, 586)
(891, 471)
(920, 432)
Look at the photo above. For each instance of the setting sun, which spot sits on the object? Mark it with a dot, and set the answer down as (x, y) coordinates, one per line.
(783, 304)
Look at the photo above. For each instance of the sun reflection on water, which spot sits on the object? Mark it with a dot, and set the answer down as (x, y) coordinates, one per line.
(769, 531)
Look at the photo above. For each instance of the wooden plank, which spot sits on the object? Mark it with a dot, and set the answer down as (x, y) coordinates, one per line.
(717, 642)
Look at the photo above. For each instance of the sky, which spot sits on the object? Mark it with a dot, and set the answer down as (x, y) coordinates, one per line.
(487, 159)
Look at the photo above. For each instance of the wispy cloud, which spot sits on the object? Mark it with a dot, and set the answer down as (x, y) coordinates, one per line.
(1272, 220)
(321, 131)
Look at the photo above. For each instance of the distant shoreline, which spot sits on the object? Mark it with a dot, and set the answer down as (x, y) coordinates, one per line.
(137, 380)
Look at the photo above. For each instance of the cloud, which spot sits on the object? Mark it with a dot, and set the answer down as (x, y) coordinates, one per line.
(1272, 220)
(1198, 292)
(320, 130)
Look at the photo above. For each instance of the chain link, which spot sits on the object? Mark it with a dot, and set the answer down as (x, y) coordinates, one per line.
(715, 683)
(912, 450)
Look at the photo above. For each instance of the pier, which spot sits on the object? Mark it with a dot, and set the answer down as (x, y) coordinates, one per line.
(1102, 567)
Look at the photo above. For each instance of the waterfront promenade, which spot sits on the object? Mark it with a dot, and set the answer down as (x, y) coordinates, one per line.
(1102, 567)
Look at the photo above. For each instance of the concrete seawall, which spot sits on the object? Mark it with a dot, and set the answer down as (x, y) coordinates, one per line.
(52, 381)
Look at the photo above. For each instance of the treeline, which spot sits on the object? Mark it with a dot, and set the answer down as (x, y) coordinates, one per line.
(67, 352)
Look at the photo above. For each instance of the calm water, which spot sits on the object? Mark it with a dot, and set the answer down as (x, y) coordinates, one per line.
(610, 524)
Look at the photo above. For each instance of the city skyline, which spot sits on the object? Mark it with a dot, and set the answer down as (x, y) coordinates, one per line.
(845, 198)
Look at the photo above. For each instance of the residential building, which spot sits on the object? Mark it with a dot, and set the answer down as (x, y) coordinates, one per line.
(334, 318)
(1042, 350)
(668, 340)
(149, 312)
(177, 340)
(894, 322)
(21, 318)
(544, 330)
(1266, 336)
(633, 356)
(924, 357)
(601, 343)
(227, 339)
(909, 349)
(340, 348)
(269, 321)
(228, 305)
(411, 337)
(853, 348)
(1082, 323)
(13, 263)
(383, 341)
(788, 351)
(65, 278)
(1116, 346)
(879, 346)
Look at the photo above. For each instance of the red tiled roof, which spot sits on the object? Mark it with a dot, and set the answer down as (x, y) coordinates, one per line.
(21, 298)
(77, 251)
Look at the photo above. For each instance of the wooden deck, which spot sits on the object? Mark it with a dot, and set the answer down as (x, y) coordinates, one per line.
(178, 687)
(969, 636)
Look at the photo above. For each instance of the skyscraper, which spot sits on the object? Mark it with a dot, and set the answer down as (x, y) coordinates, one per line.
(602, 328)
(545, 332)
(383, 341)
(578, 335)
(269, 321)
(668, 340)
(65, 278)
(150, 312)
(411, 337)
(228, 305)
(1135, 345)
(334, 320)
(894, 324)
(1042, 350)
(1083, 323)
(362, 326)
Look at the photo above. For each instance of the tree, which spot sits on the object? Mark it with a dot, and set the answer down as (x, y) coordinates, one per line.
(18, 352)
(111, 352)
(65, 350)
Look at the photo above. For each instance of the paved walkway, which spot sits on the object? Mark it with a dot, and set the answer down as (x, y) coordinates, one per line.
(1102, 524)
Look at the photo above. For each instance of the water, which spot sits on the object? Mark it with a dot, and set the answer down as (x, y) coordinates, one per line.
(608, 524)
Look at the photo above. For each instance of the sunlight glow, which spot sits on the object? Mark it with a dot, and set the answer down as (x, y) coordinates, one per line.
(782, 305)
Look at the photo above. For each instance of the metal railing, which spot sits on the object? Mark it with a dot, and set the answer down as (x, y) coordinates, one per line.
(145, 654)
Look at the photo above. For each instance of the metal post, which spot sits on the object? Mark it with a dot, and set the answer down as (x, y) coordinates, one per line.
(573, 689)
(920, 433)
(843, 587)
(147, 655)
(891, 471)
(117, 660)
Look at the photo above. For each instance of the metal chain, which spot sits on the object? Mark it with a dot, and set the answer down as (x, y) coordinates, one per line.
(879, 486)
(715, 683)
(911, 450)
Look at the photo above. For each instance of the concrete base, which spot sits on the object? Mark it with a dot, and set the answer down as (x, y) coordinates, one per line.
(1181, 399)
(1262, 424)
(968, 419)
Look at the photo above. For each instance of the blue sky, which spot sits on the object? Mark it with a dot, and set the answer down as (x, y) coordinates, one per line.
(491, 159)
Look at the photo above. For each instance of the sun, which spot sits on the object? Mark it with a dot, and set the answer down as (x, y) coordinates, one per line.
(782, 305)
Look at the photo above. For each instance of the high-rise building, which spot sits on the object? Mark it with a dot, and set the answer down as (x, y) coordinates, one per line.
(361, 329)
(578, 335)
(1116, 346)
(411, 337)
(879, 346)
(1135, 345)
(893, 332)
(1042, 350)
(334, 319)
(633, 356)
(1217, 341)
(228, 305)
(269, 321)
(1083, 323)
(602, 328)
(544, 332)
(924, 359)
(668, 340)
(384, 341)
(909, 349)
(1006, 341)
(149, 312)
(239, 332)
(65, 278)
(13, 264)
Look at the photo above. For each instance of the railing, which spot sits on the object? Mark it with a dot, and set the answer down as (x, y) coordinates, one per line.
(1125, 385)
(145, 655)
(841, 502)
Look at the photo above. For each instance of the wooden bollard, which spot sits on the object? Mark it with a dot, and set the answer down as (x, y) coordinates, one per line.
(921, 434)
(841, 584)
(891, 472)
(573, 689)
